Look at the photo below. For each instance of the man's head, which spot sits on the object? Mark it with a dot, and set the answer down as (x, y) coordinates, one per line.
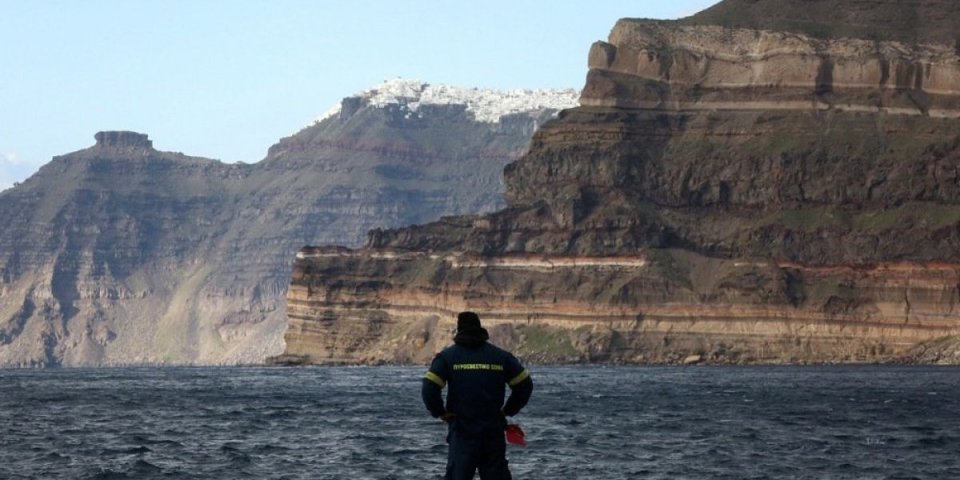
(469, 331)
(468, 322)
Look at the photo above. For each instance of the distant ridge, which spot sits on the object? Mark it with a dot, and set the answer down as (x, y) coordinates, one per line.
(908, 21)
(121, 254)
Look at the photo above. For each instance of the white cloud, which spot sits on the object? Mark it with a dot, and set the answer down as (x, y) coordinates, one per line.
(14, 169)
(9, 158)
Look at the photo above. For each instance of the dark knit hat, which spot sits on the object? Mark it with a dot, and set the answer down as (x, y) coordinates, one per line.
(468, 322)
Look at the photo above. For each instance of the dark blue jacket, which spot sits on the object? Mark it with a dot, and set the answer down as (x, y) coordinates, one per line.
(476, 374)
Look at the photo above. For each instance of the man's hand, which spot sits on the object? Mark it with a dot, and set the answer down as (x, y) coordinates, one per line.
(448, 417)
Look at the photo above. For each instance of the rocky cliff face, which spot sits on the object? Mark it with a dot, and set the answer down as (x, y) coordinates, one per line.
(105, 253)
(122, 254)
(730, 191)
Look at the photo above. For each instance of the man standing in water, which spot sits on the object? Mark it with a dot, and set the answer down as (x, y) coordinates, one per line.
(476, 372)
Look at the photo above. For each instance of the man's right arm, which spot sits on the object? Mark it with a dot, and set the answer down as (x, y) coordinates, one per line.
(433, 383)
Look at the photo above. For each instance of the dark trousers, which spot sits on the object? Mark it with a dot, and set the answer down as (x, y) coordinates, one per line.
(469, 454)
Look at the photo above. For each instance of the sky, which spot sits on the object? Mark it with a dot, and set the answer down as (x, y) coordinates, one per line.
(227, 79)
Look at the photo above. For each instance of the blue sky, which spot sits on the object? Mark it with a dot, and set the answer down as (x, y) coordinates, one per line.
(227, 79)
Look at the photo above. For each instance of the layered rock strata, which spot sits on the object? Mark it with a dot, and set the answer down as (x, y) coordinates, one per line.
(725, 193)
(615, 309)
(716, 68)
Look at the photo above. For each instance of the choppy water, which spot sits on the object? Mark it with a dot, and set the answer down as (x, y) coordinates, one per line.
(583, 423)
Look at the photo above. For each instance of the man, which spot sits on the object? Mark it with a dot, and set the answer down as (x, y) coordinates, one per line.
(476, 372)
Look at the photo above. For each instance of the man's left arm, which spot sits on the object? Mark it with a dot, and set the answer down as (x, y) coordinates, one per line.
(521, 386)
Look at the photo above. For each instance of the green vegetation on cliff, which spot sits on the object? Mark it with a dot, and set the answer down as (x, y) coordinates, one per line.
(911, 21)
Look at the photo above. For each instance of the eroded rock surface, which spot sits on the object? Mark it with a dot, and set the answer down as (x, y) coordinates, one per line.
(735, 186)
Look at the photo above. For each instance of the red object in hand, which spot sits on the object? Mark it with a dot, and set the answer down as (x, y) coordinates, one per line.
(515, 435)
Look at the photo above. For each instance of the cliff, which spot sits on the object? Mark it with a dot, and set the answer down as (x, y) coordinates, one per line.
(745, 185)
(123, 254)
(104, 255)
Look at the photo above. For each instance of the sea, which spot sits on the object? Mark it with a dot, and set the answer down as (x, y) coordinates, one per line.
(583, 422)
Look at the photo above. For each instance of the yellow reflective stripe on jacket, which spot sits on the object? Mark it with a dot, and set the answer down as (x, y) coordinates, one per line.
(478, 366)
(519, 378)
(433, 377)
